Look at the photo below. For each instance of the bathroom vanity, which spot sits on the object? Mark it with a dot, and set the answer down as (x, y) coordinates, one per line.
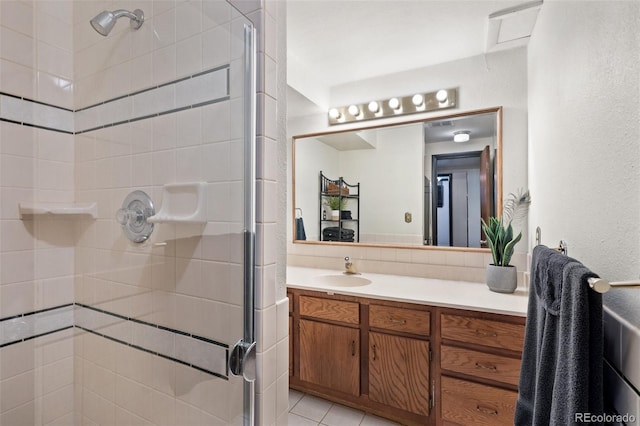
(414, 350)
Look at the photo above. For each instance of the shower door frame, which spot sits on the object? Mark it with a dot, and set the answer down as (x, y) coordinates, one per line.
(247, 366)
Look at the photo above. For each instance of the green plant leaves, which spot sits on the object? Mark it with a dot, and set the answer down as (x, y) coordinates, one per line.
(336, 203)
(500, 240)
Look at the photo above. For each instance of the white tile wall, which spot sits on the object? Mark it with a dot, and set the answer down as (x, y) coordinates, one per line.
(35, 59)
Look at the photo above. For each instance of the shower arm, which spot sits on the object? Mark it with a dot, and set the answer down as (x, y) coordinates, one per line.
(122, 12)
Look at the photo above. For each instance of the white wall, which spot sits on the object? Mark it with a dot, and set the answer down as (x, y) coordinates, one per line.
(385, 197)
(584, 137)
(316, 156)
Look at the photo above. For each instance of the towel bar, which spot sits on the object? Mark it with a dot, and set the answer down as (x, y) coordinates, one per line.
(602, 286)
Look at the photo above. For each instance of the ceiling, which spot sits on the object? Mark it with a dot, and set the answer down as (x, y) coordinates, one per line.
(336, 42)
(478, 126)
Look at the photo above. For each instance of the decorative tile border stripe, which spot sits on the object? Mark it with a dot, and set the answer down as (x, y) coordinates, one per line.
(200, 89)
(35, 114)
(194, 351)
(28, 326)
(197, 90)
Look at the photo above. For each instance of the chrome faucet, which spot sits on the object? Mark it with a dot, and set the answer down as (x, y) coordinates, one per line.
(348, 266)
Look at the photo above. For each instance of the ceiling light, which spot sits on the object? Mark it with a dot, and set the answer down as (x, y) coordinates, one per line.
(461, 136)
(334, 113)
(354, 110)
(442, 95)
(394, 103)
(417, 100)
(374, 107)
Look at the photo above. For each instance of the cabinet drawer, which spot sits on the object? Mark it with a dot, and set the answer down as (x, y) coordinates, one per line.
(399, 319)
(468, 403)
(334, 310)
(480, 364)
(495, 334)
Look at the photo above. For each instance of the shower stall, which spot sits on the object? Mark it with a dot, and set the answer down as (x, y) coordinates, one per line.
(147, 318)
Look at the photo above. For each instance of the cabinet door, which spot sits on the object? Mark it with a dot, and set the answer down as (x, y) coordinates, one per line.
(330, 356)
(290, 346)
(399, 372)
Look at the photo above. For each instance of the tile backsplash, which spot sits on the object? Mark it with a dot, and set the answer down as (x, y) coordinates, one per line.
(441, 264)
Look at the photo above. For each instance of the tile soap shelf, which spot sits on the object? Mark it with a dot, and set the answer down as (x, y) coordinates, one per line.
(181, 203)
(58, 209)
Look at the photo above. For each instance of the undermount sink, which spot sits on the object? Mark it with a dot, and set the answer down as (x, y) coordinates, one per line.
(341, 280)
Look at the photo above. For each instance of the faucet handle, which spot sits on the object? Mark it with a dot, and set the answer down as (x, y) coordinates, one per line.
(346, 259)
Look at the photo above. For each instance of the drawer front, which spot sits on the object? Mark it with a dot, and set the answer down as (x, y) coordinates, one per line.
(334, 310)
(500, 368)
(495, 334)
(473, 404)
(399, 319)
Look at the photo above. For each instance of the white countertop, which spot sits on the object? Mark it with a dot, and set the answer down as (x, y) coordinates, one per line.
(426, 291)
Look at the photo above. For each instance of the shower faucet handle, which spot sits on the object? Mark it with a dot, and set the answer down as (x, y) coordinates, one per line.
(132, 216)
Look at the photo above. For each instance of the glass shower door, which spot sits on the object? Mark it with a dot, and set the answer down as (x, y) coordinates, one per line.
(175, 313)
(95, 328)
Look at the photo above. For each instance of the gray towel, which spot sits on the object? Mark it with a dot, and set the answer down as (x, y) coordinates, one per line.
(561, 372)
(300, 234)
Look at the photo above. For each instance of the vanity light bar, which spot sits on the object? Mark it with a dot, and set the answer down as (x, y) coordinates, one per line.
(396, 106)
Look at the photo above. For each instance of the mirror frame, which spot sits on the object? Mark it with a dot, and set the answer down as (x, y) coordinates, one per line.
(497, 167)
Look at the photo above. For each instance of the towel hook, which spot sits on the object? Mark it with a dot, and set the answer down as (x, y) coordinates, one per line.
(298, 209)
(563, 248)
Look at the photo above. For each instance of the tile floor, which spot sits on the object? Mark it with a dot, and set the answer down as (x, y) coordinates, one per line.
(307, 410)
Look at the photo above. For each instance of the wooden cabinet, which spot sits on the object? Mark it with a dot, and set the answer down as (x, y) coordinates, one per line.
(291, 355)
(399, 357)
(330, 356)
(371, 355)
(468, 403)
(399, 372)
(480, 364)
(399, 319)
(480, 358)
(411, 363)
(328, 341)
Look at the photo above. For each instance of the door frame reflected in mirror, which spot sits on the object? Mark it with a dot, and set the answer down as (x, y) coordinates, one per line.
(497, 176)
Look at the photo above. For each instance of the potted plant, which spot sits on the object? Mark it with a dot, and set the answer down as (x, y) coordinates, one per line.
(501, 276)
(336, 204)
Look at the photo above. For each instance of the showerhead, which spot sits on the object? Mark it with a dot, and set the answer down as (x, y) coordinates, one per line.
(104, 21)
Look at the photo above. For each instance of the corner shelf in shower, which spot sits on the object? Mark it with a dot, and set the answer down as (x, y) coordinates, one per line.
(89, 210)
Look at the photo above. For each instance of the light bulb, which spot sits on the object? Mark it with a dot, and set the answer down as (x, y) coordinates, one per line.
(442, 95)
(394, 103)
(354, 110)
(374, 107)
(461, 136)
(417, 100)
(334, 113)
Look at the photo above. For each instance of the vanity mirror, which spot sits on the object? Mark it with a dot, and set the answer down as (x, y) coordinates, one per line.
(420, 183)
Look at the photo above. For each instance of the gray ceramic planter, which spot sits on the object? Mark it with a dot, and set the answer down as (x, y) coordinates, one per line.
(502, 279)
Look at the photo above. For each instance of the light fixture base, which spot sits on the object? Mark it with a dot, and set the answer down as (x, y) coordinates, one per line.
(432, 101)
